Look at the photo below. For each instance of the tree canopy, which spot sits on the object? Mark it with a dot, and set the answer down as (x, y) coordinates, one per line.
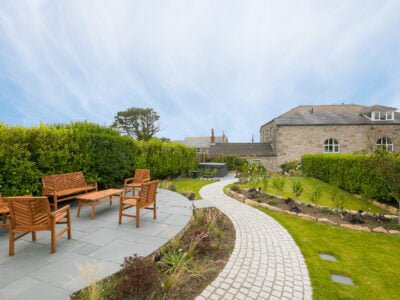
(139, 123)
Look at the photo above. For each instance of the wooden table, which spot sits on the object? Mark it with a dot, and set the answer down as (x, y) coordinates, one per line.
(95, 198)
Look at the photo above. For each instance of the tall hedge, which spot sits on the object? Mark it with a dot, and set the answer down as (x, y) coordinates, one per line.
(101, 153)
(348, 171)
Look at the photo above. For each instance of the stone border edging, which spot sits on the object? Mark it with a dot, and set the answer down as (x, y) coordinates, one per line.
(251, 202)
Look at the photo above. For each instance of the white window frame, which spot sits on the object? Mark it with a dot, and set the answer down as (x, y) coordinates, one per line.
(386, 143)
(331, 143)
(387, 115)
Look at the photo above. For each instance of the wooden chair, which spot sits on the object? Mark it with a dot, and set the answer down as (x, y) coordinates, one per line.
(145, 200)
(4, 212)
(141, 176)
(31, 214)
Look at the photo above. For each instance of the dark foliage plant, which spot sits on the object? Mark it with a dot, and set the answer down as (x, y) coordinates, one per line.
(137, 279)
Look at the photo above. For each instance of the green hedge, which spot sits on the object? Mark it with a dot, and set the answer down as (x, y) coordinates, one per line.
(233, 162)
(101, 153)
(347, 171)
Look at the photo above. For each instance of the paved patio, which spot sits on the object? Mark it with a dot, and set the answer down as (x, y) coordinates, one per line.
(99, 245)
(266, 263)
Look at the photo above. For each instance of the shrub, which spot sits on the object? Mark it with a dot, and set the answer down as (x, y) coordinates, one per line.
(278, 183)
(297, 188)
(347, 171)
(290, 165)
(101, 153)
(137, 278)
(316, 195)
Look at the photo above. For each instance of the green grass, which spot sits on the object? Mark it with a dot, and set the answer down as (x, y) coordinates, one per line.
(187, 185)
(309, 184)
(372, 260)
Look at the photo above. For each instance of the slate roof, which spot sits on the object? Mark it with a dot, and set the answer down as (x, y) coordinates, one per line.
(243, 149)
(201, 141)
(331, 115)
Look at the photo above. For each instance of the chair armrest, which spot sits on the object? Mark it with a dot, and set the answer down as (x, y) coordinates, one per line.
(91, 181)
(64, 209)
(129, 180)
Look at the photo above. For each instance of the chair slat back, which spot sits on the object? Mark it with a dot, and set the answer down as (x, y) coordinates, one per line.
(29, 212)
(148, 192)
(3, 202)
(142, 174)
(59, 182)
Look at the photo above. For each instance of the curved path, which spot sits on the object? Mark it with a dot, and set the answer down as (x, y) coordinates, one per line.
(265, 263)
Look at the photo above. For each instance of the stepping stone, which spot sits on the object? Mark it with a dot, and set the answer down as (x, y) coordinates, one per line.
(342, 279)
(329, 257)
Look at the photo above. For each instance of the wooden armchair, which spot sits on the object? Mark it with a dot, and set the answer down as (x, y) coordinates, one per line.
(141, 176)
(4, 212)
(145, 200)
(31, 214)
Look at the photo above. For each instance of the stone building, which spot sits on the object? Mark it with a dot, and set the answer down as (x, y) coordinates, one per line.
(343, 128)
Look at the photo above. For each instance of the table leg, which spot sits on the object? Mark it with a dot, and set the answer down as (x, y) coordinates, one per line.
(111, 200)
(78, 211)
(93, 212)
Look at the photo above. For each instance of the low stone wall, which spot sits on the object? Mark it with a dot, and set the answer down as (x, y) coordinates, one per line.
(251, 202)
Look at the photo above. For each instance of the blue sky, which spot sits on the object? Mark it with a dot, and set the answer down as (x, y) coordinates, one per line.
(231, 65)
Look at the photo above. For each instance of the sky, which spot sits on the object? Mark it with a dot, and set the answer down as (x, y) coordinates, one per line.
(228, 65)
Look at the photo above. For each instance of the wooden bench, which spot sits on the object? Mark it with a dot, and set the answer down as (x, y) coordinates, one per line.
(66, 186)
(4, 212)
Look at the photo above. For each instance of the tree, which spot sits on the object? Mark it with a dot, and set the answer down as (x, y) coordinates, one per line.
(139, 123)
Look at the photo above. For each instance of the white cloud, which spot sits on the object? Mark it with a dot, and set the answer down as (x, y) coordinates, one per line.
(222, 64)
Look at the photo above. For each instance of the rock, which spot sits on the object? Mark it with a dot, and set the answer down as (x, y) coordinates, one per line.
(273, 208)
(307, 217)
(288, 212)
(379, 229)
(326, 221)
(394, 231)
(251, 202)
(391, 217)
(355, 227)
(265, 205)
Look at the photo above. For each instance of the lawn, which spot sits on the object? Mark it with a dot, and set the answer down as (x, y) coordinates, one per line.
(186, 185)
(310, 184)
(372, 260)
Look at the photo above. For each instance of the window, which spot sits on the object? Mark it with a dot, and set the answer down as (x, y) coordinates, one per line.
(331, 146)
(385, 143)
(382, 115)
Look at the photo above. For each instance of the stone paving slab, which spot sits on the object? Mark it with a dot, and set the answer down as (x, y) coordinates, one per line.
(266, 263)
(98, 245)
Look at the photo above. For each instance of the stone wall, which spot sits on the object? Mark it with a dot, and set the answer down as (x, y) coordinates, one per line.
(294, 141)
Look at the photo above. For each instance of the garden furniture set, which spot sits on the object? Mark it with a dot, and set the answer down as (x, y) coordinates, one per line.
(28, 214)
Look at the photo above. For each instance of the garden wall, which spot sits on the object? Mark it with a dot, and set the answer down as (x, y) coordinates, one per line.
(100, 152)
(348, 171)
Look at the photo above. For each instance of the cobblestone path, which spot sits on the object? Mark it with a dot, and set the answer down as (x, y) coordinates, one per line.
(266, 263)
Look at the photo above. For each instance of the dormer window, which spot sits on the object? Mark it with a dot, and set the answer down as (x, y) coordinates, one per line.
(380, 115)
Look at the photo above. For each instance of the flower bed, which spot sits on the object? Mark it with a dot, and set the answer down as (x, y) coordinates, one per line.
(357, 220)
(182, 269)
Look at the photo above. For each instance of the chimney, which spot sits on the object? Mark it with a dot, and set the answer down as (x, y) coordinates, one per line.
(212, 136)
(312, 110)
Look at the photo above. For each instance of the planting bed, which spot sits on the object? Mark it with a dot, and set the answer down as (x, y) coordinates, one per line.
(357, 220)
(182, 269)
